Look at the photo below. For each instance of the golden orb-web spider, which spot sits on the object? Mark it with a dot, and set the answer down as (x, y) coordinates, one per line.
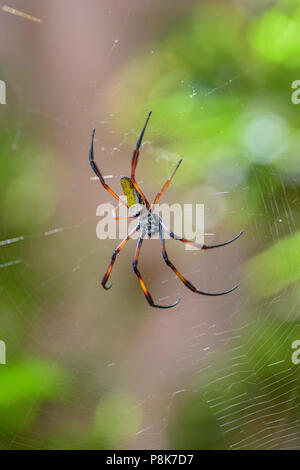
(149, 223)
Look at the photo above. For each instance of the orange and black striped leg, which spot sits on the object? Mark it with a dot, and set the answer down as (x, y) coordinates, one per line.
(125, 218)
(134, 161)
(181, 277)
(202, 246)
(167, 183)
(117, 217)
(98, 172)
(113, 258)
(137, 272)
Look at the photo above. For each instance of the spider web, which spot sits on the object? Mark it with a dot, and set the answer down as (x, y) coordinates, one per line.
(198, 355)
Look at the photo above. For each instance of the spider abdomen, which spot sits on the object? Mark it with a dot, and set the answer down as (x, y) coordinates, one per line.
(149, 222)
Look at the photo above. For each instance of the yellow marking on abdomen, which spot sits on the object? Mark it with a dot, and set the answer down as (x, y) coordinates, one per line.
(129, 191)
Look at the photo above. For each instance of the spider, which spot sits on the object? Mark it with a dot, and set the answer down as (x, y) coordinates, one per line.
(149, 224)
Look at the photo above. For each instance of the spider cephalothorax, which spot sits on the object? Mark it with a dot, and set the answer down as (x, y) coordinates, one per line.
(149, 224)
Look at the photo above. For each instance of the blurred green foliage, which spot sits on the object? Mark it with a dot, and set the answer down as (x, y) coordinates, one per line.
(27, 192)
(221, 99)
(275, 268)
(24, 387)
(26, 182)
(263, 389)
(118, 418)
(28, 201)
(219, 85)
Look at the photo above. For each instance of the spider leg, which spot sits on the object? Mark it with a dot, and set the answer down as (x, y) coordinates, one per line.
(134, 161)
(202, 246)
(124, 218)
(181, 277)
(137, 272)
(167, 183)
(113, 258)
(117, 217)
(98, 172)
